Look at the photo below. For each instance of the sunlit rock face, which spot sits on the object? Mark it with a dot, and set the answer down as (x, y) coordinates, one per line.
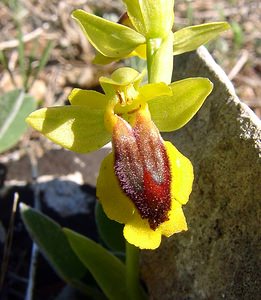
(218, 257)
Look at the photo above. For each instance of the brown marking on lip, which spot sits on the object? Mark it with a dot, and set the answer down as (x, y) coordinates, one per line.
(142, 168)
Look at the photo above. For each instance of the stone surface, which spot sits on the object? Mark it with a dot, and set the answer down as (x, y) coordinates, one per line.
(219, 257)
(64, 194)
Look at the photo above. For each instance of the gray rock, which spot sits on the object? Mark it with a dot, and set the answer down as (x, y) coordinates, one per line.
(219, 257)
(64, 194)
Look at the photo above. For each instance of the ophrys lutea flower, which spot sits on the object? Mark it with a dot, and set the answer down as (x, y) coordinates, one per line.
(145, 181)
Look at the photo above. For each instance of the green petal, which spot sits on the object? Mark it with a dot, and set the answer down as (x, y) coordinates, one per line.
(111, 39)
(122, 76)
(76, 128)
(92, 99)
(172, 112)
(152, 18)
(190, 38)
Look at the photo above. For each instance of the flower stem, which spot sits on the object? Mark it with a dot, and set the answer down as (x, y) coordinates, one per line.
(160, 59)
(132, 277)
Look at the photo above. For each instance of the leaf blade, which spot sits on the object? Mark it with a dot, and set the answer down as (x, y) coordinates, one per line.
(110, 231)
(14, 107)
(100, 263)
(54, 245)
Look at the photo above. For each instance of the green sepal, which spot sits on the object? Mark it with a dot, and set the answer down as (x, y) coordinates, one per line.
(53, 243)
(110, 231)
(109, 38)
(151, 90)
(101, 59)
(120, 78)
(173, 112)
(108, 271)
(89, 98)
(191, 37)
(14, 108)
(152, 18)
(76, 128)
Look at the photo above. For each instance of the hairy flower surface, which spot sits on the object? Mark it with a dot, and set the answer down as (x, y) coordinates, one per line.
(145, 181)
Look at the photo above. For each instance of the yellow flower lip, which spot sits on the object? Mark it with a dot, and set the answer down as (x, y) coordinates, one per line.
(144, 182)
(142, 167)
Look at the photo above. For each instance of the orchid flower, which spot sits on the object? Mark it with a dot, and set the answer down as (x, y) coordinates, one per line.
(145, 180)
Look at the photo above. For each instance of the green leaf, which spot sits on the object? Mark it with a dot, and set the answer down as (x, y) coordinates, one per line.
(53, 243)
(152, 18)
(77, 128)
(14, 107)
(110, 231)
(172, 112)
(190, 38)
(108, 271)
(111, 39)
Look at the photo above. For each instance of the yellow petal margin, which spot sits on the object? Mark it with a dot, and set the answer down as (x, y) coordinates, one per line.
(116, 205)
(120, 208)
(181, 173)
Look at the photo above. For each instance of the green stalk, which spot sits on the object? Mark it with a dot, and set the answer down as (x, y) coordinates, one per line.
(132, 273)
(160, 68)
(160, 59)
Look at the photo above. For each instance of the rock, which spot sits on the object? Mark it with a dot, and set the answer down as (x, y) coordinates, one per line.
(219, 256)
(64, 194)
